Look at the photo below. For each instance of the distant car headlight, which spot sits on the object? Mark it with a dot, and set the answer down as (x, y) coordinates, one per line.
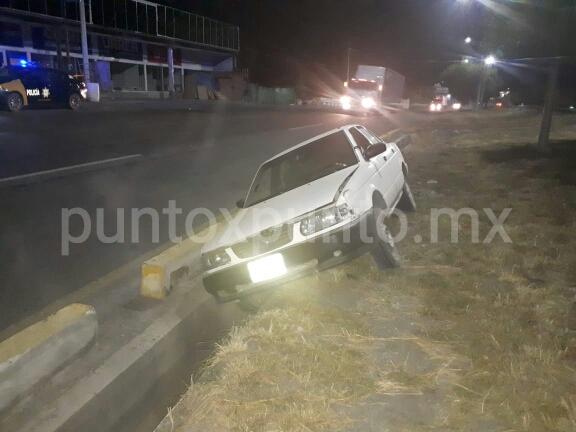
(367, 102)
(345, 101)
(439, 107)
(215, 259)
(432, 107)
(457, 106)
(325, 218)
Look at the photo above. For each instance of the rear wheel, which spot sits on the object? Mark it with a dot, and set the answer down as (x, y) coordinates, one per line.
(407, 202)
(14, 102)
(386, 254)
(74, 101)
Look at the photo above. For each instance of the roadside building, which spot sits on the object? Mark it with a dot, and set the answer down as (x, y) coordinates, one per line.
(128, 42)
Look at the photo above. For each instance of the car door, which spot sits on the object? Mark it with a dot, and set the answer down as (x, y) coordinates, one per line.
(376, 167)
(33, 82)
(392, 162)
(59, 86)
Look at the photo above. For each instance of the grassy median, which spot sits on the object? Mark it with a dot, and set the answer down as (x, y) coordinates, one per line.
(465, 336)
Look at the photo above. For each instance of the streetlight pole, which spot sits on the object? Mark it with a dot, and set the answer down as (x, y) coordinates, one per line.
(488, 61)
(85, 62)
(348, 67)
(548, 105)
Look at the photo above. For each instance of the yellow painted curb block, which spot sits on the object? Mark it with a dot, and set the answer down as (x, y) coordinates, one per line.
(162, 272)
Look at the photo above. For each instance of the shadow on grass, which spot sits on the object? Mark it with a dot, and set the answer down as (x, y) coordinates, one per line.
(558, 160)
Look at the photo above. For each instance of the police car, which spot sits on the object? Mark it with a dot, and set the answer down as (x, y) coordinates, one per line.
(27, 84)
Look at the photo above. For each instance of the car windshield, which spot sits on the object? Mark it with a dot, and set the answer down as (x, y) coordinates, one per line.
(363, 85)
(303, 165)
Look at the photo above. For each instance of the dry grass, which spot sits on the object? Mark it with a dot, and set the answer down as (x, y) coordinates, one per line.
(474, 332)
(512, 304)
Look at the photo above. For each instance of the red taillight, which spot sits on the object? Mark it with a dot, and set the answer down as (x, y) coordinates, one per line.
(83, 84)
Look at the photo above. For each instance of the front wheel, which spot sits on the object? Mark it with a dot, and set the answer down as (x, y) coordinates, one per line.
(14, 102)
(386, 254)
(74, 101)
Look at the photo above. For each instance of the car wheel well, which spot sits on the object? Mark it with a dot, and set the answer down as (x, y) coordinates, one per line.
(378, 199)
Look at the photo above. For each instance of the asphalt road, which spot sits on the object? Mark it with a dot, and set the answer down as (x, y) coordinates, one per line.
(200, 154)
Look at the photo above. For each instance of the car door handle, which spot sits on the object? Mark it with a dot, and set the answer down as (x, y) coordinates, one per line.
(385, 158)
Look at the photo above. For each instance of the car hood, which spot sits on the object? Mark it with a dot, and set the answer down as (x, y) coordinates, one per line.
(279, 210)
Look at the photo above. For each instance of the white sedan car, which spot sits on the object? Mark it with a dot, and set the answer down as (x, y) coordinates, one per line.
(314, 206)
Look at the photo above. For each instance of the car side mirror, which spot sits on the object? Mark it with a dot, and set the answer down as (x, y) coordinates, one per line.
(374, 150)
(240, 203)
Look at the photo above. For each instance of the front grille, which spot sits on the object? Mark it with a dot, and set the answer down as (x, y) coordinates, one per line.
(266, 241)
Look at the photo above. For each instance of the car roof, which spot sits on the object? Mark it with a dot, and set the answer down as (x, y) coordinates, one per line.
(317, 137)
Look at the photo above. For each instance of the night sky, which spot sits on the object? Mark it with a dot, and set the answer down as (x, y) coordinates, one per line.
(396, 33)
(418, 38)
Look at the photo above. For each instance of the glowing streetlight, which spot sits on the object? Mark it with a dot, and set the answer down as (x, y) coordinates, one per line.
(490, 60)
(468, 40)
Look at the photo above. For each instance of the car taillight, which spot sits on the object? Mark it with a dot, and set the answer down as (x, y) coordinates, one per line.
(83, 84)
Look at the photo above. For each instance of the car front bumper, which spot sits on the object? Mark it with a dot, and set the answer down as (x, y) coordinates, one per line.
(322, 252)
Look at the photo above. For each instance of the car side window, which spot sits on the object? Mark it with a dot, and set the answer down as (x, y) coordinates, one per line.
(361, 141)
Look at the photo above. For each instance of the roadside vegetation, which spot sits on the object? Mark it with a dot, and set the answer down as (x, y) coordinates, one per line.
(465, 336)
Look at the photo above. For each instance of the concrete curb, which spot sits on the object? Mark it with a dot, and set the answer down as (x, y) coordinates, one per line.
(34, 354)
(101, 400)
(40, 176)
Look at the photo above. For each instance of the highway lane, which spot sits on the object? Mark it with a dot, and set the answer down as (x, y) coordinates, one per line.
(197, 154)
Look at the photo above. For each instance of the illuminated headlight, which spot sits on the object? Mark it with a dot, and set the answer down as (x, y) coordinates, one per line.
(84, 93)
(432, 107)
(367, 102)
(214, 259)
(456, 106)
(439, 107)
(345, 101)
(325, 218)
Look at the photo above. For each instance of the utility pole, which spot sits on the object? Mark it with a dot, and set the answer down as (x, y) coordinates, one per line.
(481, 88)
(85, 62)
(548, 105)
(348, 67)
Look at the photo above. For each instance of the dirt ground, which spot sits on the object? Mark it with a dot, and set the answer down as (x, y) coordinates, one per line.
(467, 335)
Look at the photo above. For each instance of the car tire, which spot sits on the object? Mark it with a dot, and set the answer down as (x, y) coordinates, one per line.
(14, 102)
(385, 254)
(407, 202)
(74, 101)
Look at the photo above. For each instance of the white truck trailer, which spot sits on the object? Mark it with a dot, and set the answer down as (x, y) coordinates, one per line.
(372, 87)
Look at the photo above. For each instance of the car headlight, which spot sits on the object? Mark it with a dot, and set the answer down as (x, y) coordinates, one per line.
(456, 106)
(438, 107)
(214, 259)
(367, 102)
(325, 218)
(432, 107)
(345, 101)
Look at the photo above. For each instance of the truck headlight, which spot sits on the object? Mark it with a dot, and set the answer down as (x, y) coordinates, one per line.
(215, 259)
(367, 102)
(325, 218)
(345, 101)
(432, 107)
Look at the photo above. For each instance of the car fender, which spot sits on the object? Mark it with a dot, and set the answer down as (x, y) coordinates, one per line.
(18, 87)
(358, 192)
